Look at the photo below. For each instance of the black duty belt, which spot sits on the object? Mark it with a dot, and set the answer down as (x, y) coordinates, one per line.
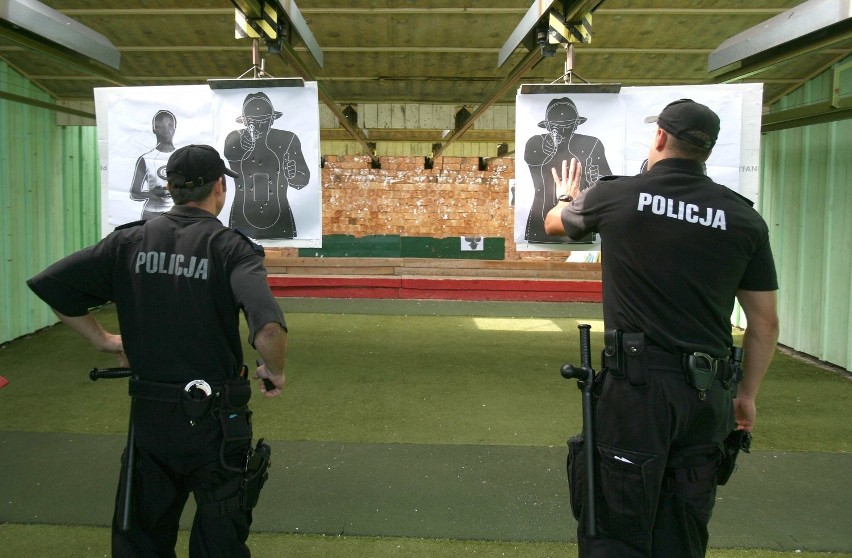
(700, 369)
(678, 361)
(173, 393)
(196, 398)
(629, 354)
(682, 361)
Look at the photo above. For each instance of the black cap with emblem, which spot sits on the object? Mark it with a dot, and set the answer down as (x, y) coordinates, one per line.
(192, 166)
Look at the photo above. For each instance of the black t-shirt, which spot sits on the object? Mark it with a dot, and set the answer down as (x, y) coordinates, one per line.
(675, 248)
(178, 282)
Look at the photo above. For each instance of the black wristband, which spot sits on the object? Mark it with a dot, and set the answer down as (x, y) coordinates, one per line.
(565, 198)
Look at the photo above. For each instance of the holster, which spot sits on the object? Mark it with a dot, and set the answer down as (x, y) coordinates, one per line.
(737, 440)
(257, 471)
(240, 494)
(235, 418)
(576, 467)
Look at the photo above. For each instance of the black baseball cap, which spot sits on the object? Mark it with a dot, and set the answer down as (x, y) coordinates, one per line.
(192, 166)
(684, 116)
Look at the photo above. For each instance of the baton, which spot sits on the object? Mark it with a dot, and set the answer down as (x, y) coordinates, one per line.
(585, 376)
(125, 497)
(267, 383)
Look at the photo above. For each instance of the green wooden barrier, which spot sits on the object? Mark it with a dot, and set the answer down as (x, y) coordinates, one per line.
(395, 246)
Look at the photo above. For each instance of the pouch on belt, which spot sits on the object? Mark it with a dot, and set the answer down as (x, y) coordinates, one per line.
(633, 347)
(613, 353)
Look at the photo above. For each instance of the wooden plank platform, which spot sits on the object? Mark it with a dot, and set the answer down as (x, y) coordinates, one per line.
(429, 278)
(433, 267)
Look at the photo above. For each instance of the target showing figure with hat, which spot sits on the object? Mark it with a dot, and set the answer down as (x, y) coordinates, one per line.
(544, 153)
(269, 162)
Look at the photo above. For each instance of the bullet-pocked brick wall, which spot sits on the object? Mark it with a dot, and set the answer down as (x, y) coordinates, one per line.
(402, 197)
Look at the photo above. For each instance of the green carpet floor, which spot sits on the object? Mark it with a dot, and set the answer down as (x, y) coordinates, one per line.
(777, 500)
(422, 419)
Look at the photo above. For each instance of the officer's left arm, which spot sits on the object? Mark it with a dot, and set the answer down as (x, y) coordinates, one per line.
(271, 343)
(250, 288)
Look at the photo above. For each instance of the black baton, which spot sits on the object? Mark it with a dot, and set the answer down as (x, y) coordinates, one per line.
(267, 383)
(125, 498)
(585, 376)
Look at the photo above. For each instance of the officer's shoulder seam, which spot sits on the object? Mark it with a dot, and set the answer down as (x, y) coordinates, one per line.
(739, 196)
(129, 225)
(610, 178)
(254, 245)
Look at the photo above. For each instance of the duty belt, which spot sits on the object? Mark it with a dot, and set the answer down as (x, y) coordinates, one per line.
(196, 398)
(700, 368)
(172, 393)
(678, 361)
(629, 354)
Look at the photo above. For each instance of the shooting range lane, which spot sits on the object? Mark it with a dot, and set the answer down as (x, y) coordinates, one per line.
(777, 500)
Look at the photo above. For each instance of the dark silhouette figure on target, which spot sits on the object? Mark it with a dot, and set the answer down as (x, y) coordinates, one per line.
(544, 153)
(269, 162)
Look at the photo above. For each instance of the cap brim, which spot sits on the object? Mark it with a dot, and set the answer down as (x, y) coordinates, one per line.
(231, 173)
(650, 119)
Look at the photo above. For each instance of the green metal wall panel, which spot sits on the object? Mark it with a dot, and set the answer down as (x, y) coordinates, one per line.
(806, 201)
(49, 199)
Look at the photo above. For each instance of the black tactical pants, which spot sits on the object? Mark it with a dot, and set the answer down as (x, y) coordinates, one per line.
(174, 459)
(657, 448)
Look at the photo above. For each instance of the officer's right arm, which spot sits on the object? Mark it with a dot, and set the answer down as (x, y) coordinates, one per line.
(759, 341)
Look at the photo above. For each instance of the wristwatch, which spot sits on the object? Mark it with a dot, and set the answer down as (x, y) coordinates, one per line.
(565, 198)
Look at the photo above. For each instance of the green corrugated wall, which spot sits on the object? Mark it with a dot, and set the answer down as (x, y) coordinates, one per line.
(807, 202)
(49, 199)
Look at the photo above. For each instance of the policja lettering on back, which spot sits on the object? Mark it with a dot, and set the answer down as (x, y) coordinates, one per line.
(688, 212)
(155, 262)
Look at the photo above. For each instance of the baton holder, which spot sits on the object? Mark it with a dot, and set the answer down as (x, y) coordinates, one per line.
(125, 498)
(585, 376)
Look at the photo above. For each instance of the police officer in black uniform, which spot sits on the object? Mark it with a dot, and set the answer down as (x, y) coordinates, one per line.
(677, 250)
(179, 283)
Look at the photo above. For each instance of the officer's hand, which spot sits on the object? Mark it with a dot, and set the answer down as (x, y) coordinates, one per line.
(111, 343)
(569, 182)
(745, 413)
(270, 385)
